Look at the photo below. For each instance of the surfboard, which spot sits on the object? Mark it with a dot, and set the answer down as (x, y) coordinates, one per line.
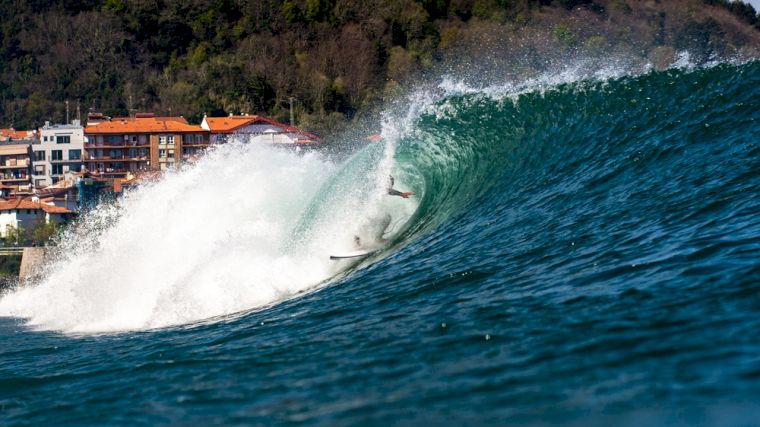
(354, 254)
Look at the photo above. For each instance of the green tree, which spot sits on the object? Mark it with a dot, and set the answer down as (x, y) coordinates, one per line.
(43, 232)
(15, 236)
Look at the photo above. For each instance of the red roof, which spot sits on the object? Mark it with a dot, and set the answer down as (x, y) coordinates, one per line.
(15, 134)
(231, 124)
(142, 125)
(228, 124)
(19, 203)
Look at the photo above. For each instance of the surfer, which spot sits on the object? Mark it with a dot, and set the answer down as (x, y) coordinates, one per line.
(380, 224)
(393, 192)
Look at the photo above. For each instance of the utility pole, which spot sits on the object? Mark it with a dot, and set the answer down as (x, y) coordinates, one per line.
(67, 111)
(292, 120)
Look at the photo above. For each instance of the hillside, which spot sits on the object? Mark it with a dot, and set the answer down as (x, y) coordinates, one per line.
(336, 58)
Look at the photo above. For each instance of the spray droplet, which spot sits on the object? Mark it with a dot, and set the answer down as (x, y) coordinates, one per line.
(488, 337)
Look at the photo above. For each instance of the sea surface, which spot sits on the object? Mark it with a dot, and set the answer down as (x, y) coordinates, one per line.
(582, 249)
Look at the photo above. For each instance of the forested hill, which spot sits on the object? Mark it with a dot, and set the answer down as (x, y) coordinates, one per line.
(337, 58)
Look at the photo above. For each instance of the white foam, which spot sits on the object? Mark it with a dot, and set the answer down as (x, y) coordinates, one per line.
(210, 240)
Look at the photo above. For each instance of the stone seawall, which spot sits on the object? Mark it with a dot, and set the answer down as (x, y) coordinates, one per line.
(31, 264)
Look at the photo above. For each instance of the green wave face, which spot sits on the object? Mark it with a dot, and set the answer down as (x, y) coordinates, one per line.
(486, 148)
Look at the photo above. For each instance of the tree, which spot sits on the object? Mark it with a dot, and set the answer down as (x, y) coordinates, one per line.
(15, 235)
(43, 232)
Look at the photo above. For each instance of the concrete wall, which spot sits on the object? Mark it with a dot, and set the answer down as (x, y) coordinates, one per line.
(31, 264)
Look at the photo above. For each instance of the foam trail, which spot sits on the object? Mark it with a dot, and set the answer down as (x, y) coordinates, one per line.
(208, 241)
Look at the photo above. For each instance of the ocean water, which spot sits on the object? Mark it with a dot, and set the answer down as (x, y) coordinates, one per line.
(581, 250)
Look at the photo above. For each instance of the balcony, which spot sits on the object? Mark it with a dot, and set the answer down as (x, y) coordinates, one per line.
(92, 159)
(21, 166)
(15, 163)
(102, 145)
(62, 161)
(5, 179)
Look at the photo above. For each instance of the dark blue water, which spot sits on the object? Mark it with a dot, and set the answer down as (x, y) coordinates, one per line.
(588, 254)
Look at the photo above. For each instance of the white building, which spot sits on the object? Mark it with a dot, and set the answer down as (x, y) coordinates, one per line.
(58, 150)
(256, 129)
(26, 214)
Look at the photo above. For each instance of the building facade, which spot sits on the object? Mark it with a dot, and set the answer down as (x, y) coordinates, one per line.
(115, 147)
(16, 168)
(59, 149)
(255, 129)
(26, 214)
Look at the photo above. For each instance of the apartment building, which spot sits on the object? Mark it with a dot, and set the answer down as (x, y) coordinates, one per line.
(58, 150)
(16, 168)
(114, 147)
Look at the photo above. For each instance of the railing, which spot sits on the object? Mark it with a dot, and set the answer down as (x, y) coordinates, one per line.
(119, 145)
(16, 166)
(11, 250)
(56, 161)
(122, 158)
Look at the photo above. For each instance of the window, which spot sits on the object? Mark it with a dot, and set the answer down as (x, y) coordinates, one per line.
(162, 139)
(63, 139)
(39, 169)
(75, 168)
(39, 156)
(44, 138)
(170, 139)
(39, 183)
(57, 170)
(75, 154)
(199, 139)
(56, 155)
(162, 153)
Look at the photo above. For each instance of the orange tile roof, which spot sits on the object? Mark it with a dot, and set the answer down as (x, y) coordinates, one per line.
(142, 125)
(232, 123)
(19, 203)
(229, 124)
(15, 134)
